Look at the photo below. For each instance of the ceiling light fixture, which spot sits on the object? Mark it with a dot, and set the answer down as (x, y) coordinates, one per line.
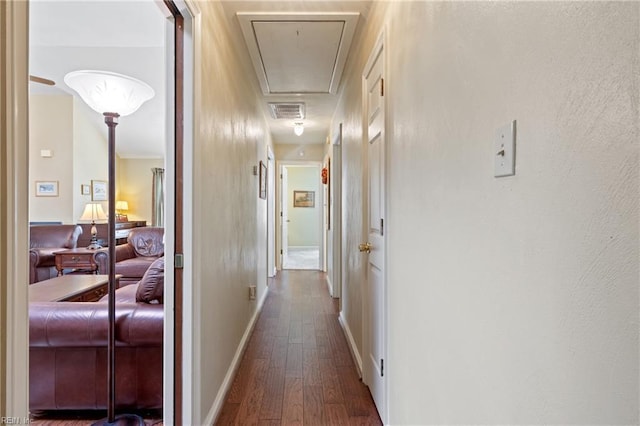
(298, 128)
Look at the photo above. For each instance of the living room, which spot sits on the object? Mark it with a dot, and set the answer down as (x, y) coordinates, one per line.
(69, 205)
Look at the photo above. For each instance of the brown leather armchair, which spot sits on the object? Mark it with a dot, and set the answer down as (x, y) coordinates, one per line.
(43, 242)
(143, 247)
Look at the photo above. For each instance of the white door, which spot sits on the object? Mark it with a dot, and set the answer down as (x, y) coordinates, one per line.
(375, 292)
(285, 216)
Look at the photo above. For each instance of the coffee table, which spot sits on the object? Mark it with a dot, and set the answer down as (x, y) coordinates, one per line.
(71, 288)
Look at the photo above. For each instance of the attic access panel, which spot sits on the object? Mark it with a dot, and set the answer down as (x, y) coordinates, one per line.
(298, 53)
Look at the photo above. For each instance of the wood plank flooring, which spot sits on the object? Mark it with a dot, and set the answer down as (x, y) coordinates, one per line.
(297, 368)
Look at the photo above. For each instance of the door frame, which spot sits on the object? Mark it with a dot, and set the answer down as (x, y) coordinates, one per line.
(14, 94)
(280, 165)
(14, 210)
(178, 238)
(379, 48)
(335, 174)
(179, 393)
(271, 214)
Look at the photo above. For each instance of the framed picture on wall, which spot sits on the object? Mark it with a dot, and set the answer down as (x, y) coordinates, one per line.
(85, 189)
(46, 188)
(99, 190)
(304, 198)
(263, 181)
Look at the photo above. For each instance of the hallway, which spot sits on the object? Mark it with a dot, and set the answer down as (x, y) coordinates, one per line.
(297, 367)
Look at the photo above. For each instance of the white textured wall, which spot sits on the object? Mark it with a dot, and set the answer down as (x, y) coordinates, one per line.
(304, 228)
(59, 123)
(51, 127)
(289, 152)
(90, 155)
(229, 220)
(511, 300)
(135, 185)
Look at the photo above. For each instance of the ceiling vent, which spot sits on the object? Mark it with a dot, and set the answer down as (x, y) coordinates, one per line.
(287, 110)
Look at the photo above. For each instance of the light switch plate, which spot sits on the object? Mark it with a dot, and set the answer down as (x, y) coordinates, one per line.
(504, 150)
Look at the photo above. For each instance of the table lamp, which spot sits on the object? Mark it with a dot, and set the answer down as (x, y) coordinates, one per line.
(121, 211)
(93, 212)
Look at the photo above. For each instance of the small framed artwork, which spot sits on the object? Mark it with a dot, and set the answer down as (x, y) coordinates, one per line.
(263, 181)
(99, 190)
(304, 198)
(46, 188)
(85, 189)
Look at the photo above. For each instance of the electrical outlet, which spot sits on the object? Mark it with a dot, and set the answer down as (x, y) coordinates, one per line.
(252, 292)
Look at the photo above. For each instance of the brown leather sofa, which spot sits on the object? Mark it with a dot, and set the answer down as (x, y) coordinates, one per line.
(143, 247)
(44, 240)
(68, 350)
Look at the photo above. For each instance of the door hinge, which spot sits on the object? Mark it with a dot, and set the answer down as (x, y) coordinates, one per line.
(280, 175)
(381, 367)
(280, 251)
(382, 87)
(280, 214)
(381, 226)
(178, 261)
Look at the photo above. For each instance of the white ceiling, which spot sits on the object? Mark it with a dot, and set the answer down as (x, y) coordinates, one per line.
(298, 48)
(128, 37)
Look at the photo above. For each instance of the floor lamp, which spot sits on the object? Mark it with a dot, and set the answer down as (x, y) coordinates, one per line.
(113, 95)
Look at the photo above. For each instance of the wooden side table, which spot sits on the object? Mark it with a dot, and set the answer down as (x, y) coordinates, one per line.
(78, 258)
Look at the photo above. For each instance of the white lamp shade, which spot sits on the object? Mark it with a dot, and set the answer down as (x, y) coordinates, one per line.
(107, 91)
(93, 212)
(122, 206)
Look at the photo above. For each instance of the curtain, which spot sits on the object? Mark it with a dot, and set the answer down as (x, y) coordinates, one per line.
(158, 197)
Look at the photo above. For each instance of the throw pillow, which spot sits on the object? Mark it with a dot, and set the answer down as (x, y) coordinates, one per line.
(151, 286)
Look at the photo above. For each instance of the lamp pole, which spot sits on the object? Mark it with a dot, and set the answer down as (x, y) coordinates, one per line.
(106, 92)
(111, 119)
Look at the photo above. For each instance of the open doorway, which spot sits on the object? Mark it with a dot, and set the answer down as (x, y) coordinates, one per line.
(301, 216)
(140, 151)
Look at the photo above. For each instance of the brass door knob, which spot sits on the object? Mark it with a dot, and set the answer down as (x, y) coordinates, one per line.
(365, 247)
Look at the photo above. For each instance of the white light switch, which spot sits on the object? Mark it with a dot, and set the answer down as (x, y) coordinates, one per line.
(504, 151)
(46, 153)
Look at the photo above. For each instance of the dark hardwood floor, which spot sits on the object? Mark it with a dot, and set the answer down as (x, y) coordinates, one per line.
(297, 368)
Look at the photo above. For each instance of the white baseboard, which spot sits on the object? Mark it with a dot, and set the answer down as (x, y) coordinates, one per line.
(329, 285)
(274, 272)
(233, 368)
(352, 344)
